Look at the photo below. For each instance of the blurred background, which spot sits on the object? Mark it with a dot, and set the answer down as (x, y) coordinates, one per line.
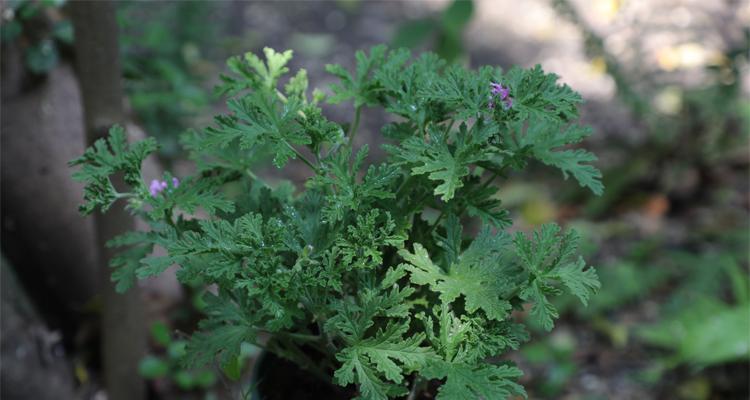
(667, 90)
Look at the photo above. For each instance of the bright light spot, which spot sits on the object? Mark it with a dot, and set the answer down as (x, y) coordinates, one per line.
(669, 100)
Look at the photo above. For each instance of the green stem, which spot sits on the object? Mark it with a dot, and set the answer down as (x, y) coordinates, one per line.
(491, 178)
(450, 126)
(437, 221)
(254, 177)
(463, 208)
(303, 158)
(414, 388)
(403, 186)
(301, 336)
(125, 195)
(355, 126)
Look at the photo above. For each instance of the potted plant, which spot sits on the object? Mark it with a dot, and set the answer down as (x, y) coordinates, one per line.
(393, 280)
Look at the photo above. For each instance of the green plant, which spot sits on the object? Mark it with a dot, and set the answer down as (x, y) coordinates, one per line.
(168, 366)
(162, 47)
(444, 33)
(40, 30)
(366, 277)
(552, 354)
(698, 327)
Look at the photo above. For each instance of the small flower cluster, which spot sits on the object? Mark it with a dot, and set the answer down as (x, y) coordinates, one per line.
(503, 93)
(158, 186)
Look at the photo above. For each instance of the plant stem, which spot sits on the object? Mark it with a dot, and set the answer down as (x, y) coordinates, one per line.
(403, 186)
(303, 158)
(482, 186)
(450, 126)
(355, 126)
(437, 221)
(491, 178)
(124, 195)
(303, 337)
(414, 386)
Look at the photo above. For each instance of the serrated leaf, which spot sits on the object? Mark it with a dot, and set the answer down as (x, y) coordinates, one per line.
(358, 86)
(103, 159)
(474, 276)
(387, 353)
(441, 161)
(544, 139)
(581, 281)
(464, 381)
(541, 309)
(221, 334)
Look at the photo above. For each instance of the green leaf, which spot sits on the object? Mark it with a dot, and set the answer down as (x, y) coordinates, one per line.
(42, 57)
(546, 257)
(261, 118)
(221, 334)
(349, 194)
(691, 333)
(364, 244)
(544, 312)
(297, 85)
(538, 97)
(176, 349)
(160, 333)
(126, 263)
(152, 367)
(192, 194)
(105, 158)
(543, 140)
(475, 276)
(443, 162)
(571, 162)
(205, 379)
(387, 355)
(358, 86)
(233, 369)
(413, 33)
(184, 379)
(581, 281)
(457, 15)
(481, 203)
(252, 73)
(478, 381)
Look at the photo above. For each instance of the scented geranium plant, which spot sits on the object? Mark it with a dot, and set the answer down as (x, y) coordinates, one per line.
(391, 279)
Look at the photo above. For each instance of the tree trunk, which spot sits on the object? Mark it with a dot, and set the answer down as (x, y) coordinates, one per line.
(43, 234)
(98, 63)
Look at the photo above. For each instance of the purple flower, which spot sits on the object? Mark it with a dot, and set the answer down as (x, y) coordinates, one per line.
(158, 186)
(498, 90)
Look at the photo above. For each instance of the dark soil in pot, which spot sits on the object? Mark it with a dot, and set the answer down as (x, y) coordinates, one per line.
(279, 379)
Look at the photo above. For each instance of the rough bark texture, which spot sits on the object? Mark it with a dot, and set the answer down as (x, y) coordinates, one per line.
(123, 329)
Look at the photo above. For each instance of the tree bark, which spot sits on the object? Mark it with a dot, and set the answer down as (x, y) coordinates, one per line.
(98, 68)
